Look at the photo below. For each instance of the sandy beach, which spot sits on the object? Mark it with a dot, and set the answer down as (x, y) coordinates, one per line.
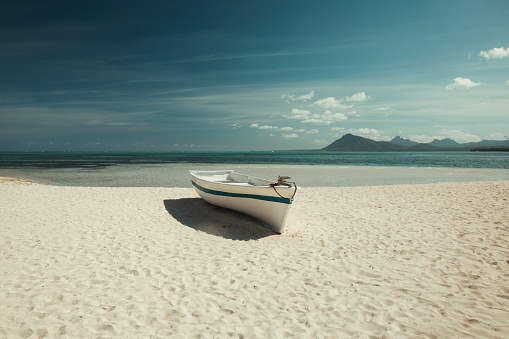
(401, 261)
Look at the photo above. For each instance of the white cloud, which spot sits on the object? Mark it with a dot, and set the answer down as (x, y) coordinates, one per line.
(459, 136)
(421, 138)
(383, 109)
(507, 82)
(497, 136)
(337, 128)
(331, 102)
(276, 128)
(236, 125)
(287, 97)
(455, 135)
(306, 97)
(317, 121)
(359, 96)
(298, 114)
(312, 131)
(293, 97)
(462, 83)
(268, 127)
(325, 119)
(369, 133)
(334, 116)
(263, 126)
(354, 113)
(495, 53)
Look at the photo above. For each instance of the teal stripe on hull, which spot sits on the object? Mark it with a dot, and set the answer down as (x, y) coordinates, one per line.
(241, 195)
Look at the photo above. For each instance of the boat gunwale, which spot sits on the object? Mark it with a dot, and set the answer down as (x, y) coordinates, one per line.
(231, 183)
(224, 193)
(244, 188)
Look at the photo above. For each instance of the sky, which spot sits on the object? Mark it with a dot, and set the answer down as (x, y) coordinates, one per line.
(249, 75)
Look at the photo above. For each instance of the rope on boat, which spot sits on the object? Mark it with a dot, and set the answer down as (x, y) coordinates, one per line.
(281, 181)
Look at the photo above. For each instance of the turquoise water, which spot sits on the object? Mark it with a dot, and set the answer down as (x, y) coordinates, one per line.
(105, 159)
(314, 169)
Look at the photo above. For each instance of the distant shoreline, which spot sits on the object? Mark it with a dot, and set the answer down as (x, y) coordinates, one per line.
(442, 149)
(490, 149)
(350, 142)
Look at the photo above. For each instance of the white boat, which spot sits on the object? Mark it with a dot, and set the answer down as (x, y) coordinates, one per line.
(263, 199)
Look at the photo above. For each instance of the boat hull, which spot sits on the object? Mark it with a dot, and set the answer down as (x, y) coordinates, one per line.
(267, 204)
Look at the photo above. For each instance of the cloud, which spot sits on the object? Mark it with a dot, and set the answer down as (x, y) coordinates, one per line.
(291, 97)
(298, 114)
(305, 97)
(384, 109)
(268, 127)
(369, 133)
(455, 135)
(459, 136)
(316, 121)
(421, 138)
(263, 126)
(275, 128)
(236, 125)
(495, 53)
(334, 116)
(353, 113)
(497, 136)
(325, 119)
(359, 96)
(290, 136)
(312, 131)
(462, 83)
(330, 102)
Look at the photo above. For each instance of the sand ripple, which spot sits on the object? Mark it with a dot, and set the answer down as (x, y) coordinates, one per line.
(427, 261)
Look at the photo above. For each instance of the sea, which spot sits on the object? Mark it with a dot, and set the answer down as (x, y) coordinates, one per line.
(307, 168)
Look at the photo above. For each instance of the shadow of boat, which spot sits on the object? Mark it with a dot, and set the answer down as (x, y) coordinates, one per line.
(222, 222)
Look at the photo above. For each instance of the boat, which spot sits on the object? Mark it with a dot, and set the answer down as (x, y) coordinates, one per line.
(265, 200)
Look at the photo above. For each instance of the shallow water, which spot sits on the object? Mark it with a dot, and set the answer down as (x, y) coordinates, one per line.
(177, 174)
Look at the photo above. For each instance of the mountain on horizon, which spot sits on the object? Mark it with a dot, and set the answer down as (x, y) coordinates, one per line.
(403, 142)
(353, 143)
(449, 143)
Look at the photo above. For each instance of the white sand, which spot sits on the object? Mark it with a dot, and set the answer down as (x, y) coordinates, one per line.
(388, 261)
